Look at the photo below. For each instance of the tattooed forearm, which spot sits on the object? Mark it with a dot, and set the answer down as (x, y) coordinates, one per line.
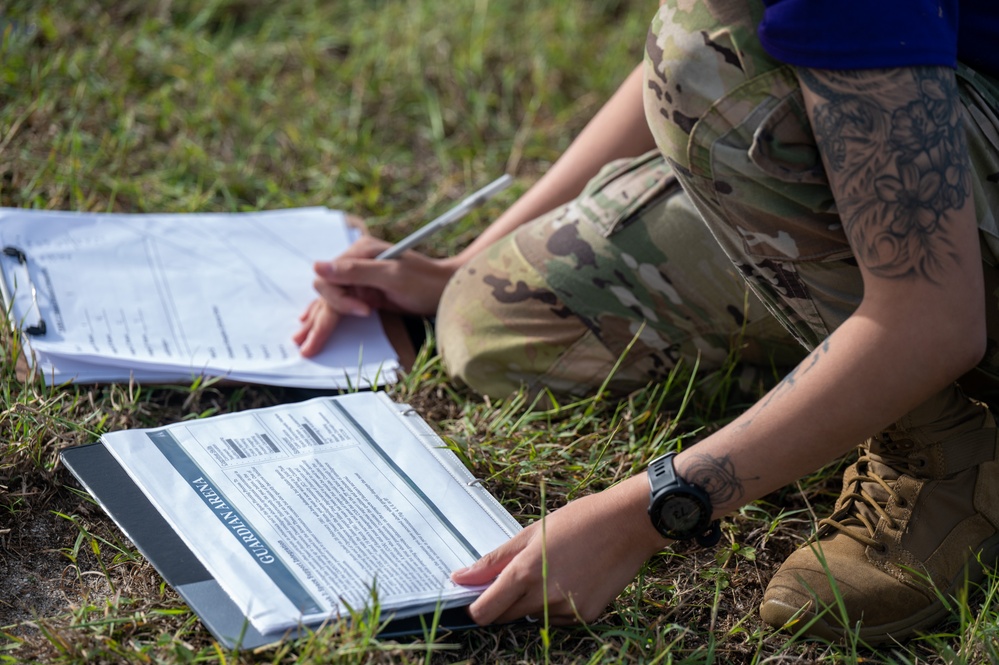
(897, 160)
(786, 384)
(716, 476)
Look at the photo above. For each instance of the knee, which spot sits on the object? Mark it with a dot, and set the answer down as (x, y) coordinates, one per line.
(468, 340)
(501, 329)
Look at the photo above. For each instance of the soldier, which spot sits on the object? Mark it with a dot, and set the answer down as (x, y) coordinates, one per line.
(840, 160)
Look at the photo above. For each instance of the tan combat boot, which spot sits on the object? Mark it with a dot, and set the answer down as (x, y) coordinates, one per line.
(918, 512)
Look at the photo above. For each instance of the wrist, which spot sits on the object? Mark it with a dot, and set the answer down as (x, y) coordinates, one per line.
(633, 495)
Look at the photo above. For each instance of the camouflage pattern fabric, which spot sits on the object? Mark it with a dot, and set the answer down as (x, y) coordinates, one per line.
(627, 272)
(630, 265)
(732, 123)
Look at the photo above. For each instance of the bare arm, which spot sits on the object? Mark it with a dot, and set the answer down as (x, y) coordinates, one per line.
(893, 145)
(892, 142)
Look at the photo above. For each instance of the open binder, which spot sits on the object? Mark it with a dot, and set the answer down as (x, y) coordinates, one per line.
(137, 477)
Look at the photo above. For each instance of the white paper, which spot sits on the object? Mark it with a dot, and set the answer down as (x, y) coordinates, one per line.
(300, 510)
(184, 296)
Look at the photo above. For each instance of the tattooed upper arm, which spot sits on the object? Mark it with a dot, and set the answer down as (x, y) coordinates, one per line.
(896, 156)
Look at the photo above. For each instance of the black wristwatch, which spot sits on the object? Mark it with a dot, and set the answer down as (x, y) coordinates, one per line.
(679, 510)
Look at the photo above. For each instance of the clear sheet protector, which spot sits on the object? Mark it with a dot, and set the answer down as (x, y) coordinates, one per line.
(173, 296)
(301, 512)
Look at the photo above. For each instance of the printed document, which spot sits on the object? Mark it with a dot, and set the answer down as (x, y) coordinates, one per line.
(102, 297)
(307, 511)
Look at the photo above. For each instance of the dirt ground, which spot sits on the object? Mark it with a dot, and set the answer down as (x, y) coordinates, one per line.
(37, 576)
(33, 569)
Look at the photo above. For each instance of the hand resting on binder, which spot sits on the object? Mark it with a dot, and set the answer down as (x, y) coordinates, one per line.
(594, 548)
(356, 283)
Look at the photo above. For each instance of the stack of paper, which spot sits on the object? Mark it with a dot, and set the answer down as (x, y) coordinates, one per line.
(169, 297)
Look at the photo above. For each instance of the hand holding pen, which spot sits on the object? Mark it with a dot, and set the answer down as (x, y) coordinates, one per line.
(362, 280)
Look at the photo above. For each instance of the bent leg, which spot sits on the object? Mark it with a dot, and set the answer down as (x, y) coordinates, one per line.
(625, 280)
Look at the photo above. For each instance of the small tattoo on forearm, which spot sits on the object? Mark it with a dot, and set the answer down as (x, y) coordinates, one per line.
(787, 384)
(716, 476)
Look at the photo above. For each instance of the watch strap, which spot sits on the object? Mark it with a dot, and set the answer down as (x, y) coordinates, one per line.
(710, 537)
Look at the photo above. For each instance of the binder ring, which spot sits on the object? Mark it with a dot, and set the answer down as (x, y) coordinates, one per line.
(22, 259)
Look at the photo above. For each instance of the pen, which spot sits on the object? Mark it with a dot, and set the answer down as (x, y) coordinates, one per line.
(452, 215)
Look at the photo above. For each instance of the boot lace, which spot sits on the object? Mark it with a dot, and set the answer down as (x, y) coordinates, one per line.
(863, 503)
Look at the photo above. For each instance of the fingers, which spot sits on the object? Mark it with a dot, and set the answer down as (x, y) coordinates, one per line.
(561, 611)
(486, 569)
(362, 252)
(517, 589)
(318, 322)
(366, 247)
(502, 595)
(338, 297)
(345, 271)
(355, 284)
(306, 318)
(341, 299)
(412, 283)
(516, 594)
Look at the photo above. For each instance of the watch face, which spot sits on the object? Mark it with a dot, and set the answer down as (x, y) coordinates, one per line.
(681, 514)
(679, 510)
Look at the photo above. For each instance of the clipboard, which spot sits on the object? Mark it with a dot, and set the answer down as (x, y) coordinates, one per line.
(101, 475)
(33, 325)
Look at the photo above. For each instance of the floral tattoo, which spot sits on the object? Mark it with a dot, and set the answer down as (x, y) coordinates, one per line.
(911, 151)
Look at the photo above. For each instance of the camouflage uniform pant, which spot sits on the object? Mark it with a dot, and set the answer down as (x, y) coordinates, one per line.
(627, 272)
(732, 123)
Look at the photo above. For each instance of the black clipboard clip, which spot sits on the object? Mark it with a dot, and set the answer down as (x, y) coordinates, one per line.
(22, 259)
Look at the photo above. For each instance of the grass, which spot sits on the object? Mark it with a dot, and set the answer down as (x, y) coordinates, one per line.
(389, 109)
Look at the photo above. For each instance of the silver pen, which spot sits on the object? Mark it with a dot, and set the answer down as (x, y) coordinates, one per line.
(467, 204)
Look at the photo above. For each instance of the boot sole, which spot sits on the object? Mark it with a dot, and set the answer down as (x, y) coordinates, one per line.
(973, 571)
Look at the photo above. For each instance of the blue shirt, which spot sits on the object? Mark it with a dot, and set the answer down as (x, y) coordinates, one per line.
(859, 34)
